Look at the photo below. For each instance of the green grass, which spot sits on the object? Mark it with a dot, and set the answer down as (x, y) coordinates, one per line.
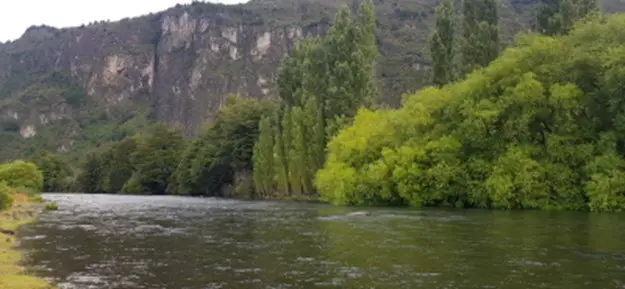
(12, 276)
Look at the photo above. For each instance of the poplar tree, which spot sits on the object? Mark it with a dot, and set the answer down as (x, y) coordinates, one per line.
(480, 33)
(557, 17)
(263, 158)
(441, 44)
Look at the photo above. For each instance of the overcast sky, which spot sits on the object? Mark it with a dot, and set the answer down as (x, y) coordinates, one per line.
(17, 15)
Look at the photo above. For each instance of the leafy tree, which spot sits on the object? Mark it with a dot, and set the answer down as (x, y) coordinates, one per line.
(157, 156)
(6, 201)
(556, 17)
(21, 174)
(57, 173)
(321, 85)
(91, 179)
(540, 127)
(480, 32)
(442, 44)
(223, 149)
(264, 159)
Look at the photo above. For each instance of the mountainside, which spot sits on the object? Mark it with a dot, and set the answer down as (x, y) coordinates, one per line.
(67, 89)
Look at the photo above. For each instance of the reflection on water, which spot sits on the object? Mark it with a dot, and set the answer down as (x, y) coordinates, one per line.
(127, 242)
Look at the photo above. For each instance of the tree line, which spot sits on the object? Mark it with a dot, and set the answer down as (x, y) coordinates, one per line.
(534, 125)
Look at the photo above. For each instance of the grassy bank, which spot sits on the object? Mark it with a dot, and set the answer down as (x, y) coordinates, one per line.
(12, 276)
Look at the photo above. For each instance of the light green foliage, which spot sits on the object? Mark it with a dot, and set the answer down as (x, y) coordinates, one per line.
(263, 158)
(21, 174)
(540, 127)
(6, 201)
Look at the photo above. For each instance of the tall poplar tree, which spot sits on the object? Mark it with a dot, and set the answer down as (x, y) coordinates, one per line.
(442, 43)
(480, 31)
(556, 17)
(263, 158)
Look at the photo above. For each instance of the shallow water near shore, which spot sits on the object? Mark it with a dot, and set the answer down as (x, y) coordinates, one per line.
(115, 242)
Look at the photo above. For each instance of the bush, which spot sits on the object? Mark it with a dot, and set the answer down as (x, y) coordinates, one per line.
(20, 174)
(51, 207)
(6, 201)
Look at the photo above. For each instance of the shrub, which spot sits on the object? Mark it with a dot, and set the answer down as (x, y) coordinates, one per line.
(6, 201)
(20, 174)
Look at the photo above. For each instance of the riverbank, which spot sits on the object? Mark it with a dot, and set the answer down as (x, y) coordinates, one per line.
(12, 276)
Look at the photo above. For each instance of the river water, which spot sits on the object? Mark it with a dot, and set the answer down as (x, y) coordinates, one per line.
(127, 242)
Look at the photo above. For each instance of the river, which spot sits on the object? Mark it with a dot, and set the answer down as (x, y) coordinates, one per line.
(128, 242)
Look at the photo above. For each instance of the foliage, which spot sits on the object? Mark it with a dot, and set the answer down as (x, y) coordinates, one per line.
(540, 127)
(137, 164)
(156, 158)
(480, 32)
(6, 201)
(21, 174)
(556, 17)
(442, 44)
(321, 85)
(51, 207)
(57, 173)
(224, 148)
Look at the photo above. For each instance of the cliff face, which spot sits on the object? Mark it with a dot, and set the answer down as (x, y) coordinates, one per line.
(63, 89)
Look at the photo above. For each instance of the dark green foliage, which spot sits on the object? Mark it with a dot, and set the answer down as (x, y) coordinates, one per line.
(480, 33)
(556, 17)
(91, 179)
(223, 149)
(321, 85)
(157, 156)
(442, 44)
(57, 173)
(138, 164)
(540, 128)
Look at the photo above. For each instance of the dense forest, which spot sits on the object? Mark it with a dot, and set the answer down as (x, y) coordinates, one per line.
(538, 124)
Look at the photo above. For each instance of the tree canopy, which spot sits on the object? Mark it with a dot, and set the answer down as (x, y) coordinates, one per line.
(541, 127)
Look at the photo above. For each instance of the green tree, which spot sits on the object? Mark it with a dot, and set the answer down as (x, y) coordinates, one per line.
(480, 32)
(556, 17)
(321, 85)
(22, 175)
(57, 173)
(222, 154)
(442, 44)
(92, 177)
(263, 158)
(6, 201)
(157, 156)
(541, 127)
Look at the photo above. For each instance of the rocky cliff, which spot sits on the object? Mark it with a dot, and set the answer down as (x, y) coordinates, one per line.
(63, 89)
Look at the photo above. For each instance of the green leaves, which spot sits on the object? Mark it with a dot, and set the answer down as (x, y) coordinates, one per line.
(21, 175)
(540, 127)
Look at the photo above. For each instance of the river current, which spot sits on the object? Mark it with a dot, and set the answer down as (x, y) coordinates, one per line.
(128, 242)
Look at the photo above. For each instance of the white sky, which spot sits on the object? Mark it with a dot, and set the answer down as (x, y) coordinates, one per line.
(17, 15)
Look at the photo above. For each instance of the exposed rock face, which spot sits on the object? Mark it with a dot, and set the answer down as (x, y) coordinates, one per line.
(58, 85)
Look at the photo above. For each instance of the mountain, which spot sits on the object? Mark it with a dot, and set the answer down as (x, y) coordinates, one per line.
(69, 89)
